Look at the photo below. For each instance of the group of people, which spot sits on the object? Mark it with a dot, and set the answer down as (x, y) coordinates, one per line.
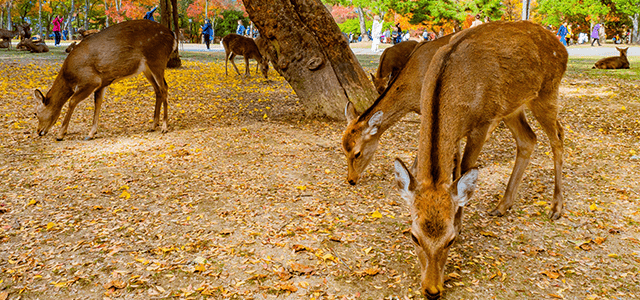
(565, 35)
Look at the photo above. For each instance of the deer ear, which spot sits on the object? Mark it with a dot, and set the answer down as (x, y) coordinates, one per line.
(350, 112)
(405, 181)
(373, 78)
(373, 123)
(465, 186)
(39, 97)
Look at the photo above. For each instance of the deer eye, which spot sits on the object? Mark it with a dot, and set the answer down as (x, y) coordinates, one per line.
(358, 155)
(415, 239)
(450, 243)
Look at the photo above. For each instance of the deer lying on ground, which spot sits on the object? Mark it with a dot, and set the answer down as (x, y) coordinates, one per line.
(614, 62)
(485, 74)
(33, 47)
(360, 138)
(392, 61)
(239, 45)
(86, 33)
(122, 50)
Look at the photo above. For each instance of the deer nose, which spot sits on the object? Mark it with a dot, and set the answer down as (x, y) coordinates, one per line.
(432, 293)
(352, 182)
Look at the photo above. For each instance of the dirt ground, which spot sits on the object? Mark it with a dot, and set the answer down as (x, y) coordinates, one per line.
(244, 198)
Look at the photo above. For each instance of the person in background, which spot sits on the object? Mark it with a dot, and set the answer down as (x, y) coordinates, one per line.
(398, 37)
(57, 27)
(207, 32)
(562, 33)
(240, 29)
(149, 14)
(376, 32)
(476, 22)
(569, 35)
(595, 34)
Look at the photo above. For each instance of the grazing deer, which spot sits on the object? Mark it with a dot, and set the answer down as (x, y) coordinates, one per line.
(33, 47)
(360, 138)
(614, 62)
(119, 51)
(239, 45)
(7, 35)
(485, 74)
(392, 61)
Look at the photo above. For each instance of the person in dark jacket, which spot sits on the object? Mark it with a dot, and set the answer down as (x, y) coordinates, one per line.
(149, 14)
(562, 33)
(207, 32)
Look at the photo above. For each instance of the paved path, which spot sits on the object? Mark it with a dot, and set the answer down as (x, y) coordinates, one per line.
(574, 51)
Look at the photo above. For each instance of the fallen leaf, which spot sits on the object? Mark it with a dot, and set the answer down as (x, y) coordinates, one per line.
(300, 268)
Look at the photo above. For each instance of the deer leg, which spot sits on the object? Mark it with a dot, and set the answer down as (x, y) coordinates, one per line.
(525, 141)
(79, 95)
(98, 96)
(231, 57)
(156, 78)
(226, 60)
(475, 141)
(246, 66)
(547, 113)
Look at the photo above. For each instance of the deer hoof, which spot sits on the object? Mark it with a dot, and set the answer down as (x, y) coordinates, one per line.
(496, 213)
(554, 214)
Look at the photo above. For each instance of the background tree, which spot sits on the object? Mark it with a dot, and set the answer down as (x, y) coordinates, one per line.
(306, 46)
(632, 9)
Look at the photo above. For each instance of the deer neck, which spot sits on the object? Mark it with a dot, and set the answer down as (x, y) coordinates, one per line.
(440, 133)
(60, 92)
(395, 103)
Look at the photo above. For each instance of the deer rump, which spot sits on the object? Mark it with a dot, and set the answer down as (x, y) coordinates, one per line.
(117, 52)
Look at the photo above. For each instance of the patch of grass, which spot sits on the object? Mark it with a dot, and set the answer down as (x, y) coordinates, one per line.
(581, 67)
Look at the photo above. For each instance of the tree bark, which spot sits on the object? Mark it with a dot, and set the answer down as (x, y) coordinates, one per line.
(363, 26)
(526, 6)
(305, 45)
(634, 34)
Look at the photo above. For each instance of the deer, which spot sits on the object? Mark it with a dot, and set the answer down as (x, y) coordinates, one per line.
(70, 47)
(485, 74)
(239, 45)
(363, 131)
(614, 62)
(117, 52)
(7, 35)
(33, 47)
(392, 60)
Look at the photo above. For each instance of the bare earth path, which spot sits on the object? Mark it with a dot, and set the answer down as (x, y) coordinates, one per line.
(244, 198)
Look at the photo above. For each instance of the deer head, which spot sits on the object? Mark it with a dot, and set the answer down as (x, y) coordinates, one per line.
(47, 114)
(359, 141)
(380, 83)
(436, 213)
(264, 67)
(623, 51)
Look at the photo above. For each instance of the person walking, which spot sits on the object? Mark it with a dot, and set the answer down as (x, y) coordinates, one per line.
(57, 27)
(149, 14)
(595, 34)
(562, 33)
(376, 31)
(207, 32)
(476, 22)
(240, 29)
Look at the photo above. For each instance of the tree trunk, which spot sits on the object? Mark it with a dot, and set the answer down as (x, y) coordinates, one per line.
(40, 17)
(634, 34)
(86, 14)
(106, 7)
(526, 6)
(169, 13)
(363, 26)
(9, 15)
(305, 45)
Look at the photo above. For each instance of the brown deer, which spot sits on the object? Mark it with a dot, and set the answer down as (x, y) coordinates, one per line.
(360, 138)
(614, 62)
(239, 45)
(485, 74)
(392, 61)
(119, 51)
(71, 47)
(7, 35)
(33, 47)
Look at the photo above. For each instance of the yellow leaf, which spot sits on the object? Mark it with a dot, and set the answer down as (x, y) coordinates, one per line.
(50, 225)
(376, 215)
(613, 255)
(367, 250)
(32, 202)
(541, 203)
(125, 195)
(593, 207)
(302, 187)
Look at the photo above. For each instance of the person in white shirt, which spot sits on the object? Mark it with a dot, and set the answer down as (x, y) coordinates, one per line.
(376, 31)
(476, 22)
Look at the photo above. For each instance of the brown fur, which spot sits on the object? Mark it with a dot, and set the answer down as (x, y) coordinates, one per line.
(87, 33)
(401, 97)
(33, 47)
(71, 47)
(122, 50)
(239, 45)
(485, 74)
(392, 61)
(614, 62)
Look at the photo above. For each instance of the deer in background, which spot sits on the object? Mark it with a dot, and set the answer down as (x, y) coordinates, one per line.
(32, 46)
(485, 74)
(360, 138)
(392, 60)
(23, 31)
(119, 51)
(239, 45)
(614, 62)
